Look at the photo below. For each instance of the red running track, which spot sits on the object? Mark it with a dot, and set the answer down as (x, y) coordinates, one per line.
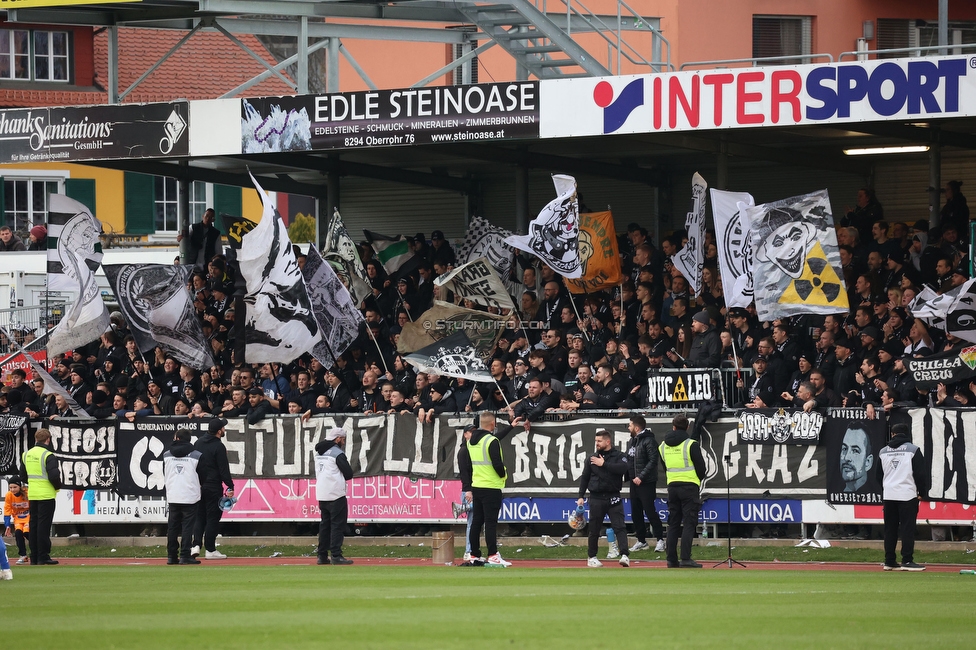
(534, 564)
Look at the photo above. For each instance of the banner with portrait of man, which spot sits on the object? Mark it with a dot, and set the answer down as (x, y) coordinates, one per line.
(852, 459)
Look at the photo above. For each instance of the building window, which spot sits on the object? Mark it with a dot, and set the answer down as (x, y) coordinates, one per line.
(26, 201)
(894, 33)
(774, 36)
(167, 204)
(167, 192)
(34, 55)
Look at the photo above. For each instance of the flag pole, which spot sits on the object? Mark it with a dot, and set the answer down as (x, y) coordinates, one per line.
(377, 344)
(502, 391)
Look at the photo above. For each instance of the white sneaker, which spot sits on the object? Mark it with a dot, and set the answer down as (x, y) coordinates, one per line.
(639, 546)
(624, 560)
(660, 547)
(215, 555)
(6, 574)
(594, 563)
(467, 556)
(24, 560)
(496, 560)
(613, 552)
(194, 551)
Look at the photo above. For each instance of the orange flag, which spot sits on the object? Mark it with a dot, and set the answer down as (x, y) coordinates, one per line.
(598, 254)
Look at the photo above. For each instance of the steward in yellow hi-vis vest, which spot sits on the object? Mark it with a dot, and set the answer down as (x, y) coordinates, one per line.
(483, 475)
(685, 466)
(40, 470)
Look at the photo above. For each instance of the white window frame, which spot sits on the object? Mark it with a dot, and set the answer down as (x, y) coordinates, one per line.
(33, 175)
(197, 209)
(32, 56)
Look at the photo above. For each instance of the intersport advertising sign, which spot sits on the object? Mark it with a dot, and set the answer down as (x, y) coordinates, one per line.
(755, 97)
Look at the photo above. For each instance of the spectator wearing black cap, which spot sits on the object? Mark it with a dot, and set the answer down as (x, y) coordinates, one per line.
(898, 269)
(260, 406)
(78, 387)
(824, 356)
(846, 368)
(706, 347)
(214, 469)
(901, 470)
(760, 391)
(441, 401)
(337, 393)
(443, 253)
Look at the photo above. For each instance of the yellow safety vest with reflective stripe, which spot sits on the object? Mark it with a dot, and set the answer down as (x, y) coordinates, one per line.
(678, 461)
(483, 474)
(38, 485)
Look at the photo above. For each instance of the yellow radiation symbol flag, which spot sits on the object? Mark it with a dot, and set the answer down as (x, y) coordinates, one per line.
(819, 284)
(680, 392)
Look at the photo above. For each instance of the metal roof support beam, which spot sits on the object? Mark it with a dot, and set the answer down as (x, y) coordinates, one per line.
(355, 66)
(461, 60)
(113, 64)
(156, 65)
(302, 55)
(155, 168)
(919, 134)
(534, 160)
(268, 73)
(340, 30)
(332, 66)
(334, 164)
(253, 54)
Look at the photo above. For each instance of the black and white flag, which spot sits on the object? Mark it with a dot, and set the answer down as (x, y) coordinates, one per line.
(86, 453)
(488, 241)
(279, 325)
(341, 253)
(691, 258)
(554, 234)
(333, 307)
(954, 311)
(53, 387)
(734, 246)
(477, 281)
(74, 253)
(13, 441)
(453, 356)
(159, 310)
(444, 319)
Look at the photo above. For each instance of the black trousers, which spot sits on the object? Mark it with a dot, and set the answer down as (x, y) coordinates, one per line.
(332, 527)
(600, 508)
(485, 506)
(642, 503)
(180, 525)
(208, 519)
(21, 542)
(41, 520)
(899, 519)
(684, 503)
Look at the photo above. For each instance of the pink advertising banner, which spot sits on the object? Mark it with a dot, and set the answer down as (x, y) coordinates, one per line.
(371, 499)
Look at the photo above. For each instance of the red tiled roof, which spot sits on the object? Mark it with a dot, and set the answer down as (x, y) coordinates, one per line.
(205, 67)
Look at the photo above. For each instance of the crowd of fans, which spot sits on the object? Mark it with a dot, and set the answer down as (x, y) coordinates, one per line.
(591, 352)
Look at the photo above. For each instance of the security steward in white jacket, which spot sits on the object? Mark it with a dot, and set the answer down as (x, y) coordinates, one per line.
(332, 470)
(182, 475)
(903, 478)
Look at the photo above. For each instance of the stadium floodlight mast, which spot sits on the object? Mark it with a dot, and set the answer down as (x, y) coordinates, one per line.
(728, 514)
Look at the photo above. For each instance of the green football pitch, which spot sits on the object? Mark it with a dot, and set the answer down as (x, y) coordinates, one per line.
(439, 607)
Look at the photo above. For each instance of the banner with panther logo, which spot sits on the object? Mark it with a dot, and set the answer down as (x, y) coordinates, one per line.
(734, 246)
(779, 427)
(554, 234)
(598, 254)
(796, 262)
(454, 356)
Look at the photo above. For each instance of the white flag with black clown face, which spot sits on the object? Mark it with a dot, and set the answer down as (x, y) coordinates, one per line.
(159, 310)
(691, 258)
(73, 256)
(279, 325)
(453, 356)
(734, 246)
(796, 263)
(333, 307)
(554, 235)
(954, 311)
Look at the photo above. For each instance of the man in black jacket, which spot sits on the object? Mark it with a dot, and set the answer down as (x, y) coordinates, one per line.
(603, 476)
(682, 458)
(203, 241)
(706, 347)
(642, 458)
(215, 473)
